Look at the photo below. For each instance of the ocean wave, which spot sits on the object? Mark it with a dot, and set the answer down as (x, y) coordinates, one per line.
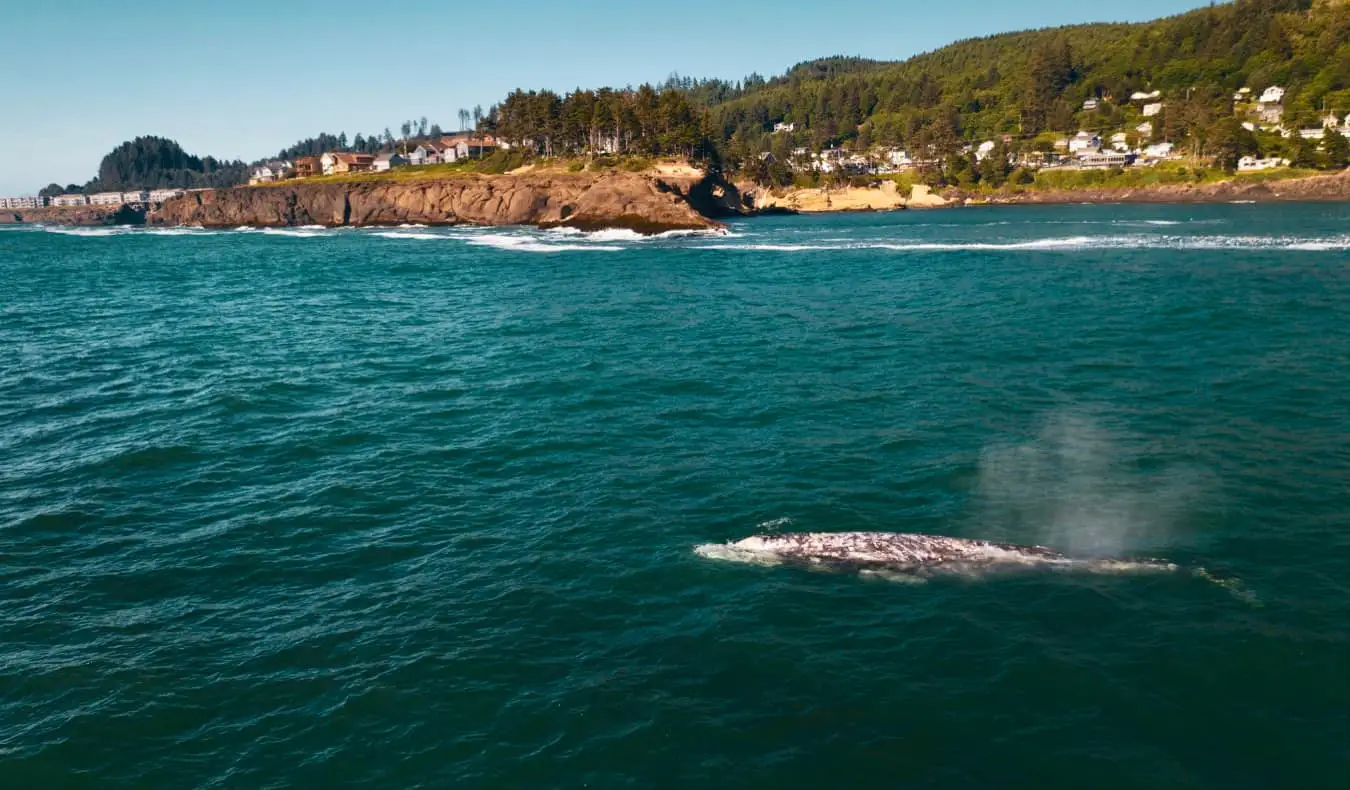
(303, 232)
(626, 235)
(1071, 243)
(527, 244)
(395, 234)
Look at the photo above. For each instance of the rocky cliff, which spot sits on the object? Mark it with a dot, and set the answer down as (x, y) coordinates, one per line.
(75, 215)
(644, 202)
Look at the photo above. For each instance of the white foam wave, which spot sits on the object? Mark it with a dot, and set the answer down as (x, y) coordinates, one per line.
(527, 244)
(1071, 243)
(627, 235)
(414, 236)
(304, 232)
(87, 232)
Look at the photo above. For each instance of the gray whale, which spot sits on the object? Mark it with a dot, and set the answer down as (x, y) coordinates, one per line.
(887, 553)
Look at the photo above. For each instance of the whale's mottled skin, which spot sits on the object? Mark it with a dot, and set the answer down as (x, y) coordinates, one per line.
(917, 555)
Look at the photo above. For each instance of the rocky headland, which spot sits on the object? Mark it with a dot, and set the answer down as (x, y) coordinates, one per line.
(75, 215)
(649, 202)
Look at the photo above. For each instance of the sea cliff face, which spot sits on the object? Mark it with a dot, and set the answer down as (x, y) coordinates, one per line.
(642, 202)
(1324, 188)
(75, 215)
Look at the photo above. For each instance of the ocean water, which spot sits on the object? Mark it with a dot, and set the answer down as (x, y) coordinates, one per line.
(417, 507)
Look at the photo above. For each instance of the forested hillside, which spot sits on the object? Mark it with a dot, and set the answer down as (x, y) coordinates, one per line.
(1023, 83)
(157, 163)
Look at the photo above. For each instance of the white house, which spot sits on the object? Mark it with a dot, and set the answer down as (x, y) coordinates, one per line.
(1272, 95)
(385, 162)
(70, 200)
(986, 148)
(263, 175)
(1248, 164)
(1141, 96)
(475, 148)
(899, 158)
(23, 202)
(1085, 143)
(161, 195)
(1090, 104)
(1153, 109)
(784, 127)
(1331, 121)
(327, 162)
(140, 196)
(1145, 128)
(1243, 94)
(1104, 159)
(1159, 150)
(1312, 134)
(427, 153)
(1249, 126)
(1120, 141)
(106, 199)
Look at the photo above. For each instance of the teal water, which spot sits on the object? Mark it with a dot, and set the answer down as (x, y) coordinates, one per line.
(416, 507)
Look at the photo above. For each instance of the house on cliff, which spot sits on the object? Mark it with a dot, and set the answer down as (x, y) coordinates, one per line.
(385, 162)
(308, 166)
(337, 163)
(70, 200)
(427, 153)
(472, 148)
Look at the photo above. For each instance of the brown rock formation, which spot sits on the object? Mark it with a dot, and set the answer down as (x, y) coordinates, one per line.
(647, 203)
(75, 215)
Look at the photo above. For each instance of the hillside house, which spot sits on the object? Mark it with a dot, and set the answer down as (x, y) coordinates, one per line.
(1145, 129)
(1141, 96)
(780, 128)
(161, 195)
(1090, 105)
(106, 199)
(386, 162)
(1159, 150)
(1312, 134)
(1085, 143)
(986, 148)
(1150, 110)
(1330, 121)
(1105, 159)
(1248, 164)
(1120, 141)
(1272, 95)
(70, 200)
(1243, 94)
(308, 166)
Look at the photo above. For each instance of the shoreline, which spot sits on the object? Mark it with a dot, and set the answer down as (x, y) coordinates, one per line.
(648, 203)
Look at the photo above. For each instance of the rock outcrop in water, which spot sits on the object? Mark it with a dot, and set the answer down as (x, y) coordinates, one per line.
(75, 215)
(643, 202)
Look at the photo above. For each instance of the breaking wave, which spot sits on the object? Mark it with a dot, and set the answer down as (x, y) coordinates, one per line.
(528, 244)
(1070, 244)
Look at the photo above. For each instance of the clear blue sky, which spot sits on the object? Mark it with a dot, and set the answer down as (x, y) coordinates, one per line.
(245, 78)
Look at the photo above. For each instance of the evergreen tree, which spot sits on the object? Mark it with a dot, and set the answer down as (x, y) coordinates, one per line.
(1336, 150)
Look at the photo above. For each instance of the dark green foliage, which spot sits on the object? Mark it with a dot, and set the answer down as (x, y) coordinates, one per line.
(1305, 153)
(156, 163)
(1022, 83)
(1336, 150)
(644, 122)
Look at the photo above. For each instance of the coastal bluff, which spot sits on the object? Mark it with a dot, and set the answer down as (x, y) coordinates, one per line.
(645, 202)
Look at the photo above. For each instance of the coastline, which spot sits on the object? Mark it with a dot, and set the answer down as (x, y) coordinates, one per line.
(649, 202)
(1328, 187)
